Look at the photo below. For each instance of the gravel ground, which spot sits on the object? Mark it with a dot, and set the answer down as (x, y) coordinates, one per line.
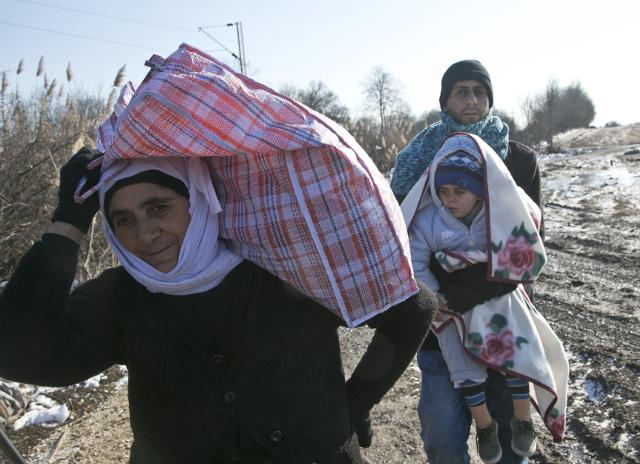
(588, 292)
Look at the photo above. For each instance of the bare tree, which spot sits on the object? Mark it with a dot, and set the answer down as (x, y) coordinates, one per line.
(424, 120)
(576, 108)
(556, 110)
(550, 106)
(506, 118)
(366, 132)
(395, 123)
(382, 95)
(322, 99)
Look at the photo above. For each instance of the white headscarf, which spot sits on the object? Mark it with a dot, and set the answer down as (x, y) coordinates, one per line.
(204, 260)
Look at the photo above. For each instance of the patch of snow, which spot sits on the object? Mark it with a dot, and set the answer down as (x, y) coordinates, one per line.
(45, 402)
(576, 455)
(596, 392)
(56, 414)
(124, 380)
(624, 439)
(557, 156)
(93, 382)
(35, 405)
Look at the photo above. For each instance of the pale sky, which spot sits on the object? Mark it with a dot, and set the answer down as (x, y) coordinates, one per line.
(523, 44)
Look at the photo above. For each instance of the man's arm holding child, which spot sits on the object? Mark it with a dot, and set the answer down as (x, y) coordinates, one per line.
(468, 287)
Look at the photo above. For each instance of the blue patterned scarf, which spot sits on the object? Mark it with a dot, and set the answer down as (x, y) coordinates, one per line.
(418, 154)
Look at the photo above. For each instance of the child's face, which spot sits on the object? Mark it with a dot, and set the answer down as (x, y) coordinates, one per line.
(460, 201)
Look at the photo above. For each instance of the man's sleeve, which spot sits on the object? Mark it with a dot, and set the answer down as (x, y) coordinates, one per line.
(523, 166)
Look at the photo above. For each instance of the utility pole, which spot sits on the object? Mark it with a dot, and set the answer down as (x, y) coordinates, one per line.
(240, 37)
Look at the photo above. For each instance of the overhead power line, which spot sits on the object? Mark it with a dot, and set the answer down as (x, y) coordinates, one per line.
(70, 34)
(240, 36)
(100, 15)
(218, 42)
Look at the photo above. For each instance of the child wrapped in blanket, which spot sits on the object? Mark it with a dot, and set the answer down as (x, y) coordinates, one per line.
(467, 209)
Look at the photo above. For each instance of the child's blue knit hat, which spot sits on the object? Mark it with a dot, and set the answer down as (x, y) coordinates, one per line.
(462, 170)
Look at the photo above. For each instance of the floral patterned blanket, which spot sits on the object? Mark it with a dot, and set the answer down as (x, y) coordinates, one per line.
(510, 335)
(506, 333)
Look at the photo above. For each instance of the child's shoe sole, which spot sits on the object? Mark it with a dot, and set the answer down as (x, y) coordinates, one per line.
(523, 453)
(494, 460)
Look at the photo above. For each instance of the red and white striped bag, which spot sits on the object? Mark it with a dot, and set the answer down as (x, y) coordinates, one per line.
(300, 197)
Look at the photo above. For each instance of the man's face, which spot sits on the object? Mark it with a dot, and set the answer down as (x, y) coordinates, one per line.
(468, 102)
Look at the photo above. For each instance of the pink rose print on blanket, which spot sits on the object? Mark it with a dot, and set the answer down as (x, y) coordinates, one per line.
(498, 347)
(556, 423)
(517, 256)
(517, 259)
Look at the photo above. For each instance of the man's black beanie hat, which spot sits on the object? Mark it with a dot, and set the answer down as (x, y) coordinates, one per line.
(465, 70)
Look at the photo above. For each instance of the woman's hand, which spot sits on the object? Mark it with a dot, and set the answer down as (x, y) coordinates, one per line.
(68, 211)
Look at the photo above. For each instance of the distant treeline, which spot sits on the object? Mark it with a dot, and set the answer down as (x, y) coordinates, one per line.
(389, 125)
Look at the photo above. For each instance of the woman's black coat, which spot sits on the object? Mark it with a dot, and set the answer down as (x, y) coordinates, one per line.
(249, 371)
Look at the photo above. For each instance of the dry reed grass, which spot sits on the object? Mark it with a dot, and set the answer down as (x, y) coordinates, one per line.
(38, 133)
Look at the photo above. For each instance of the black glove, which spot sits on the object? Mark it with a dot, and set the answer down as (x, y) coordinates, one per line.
(363, 431)
(77, 214)
(460, 299)
(472, 278)
(443, 277)
(475, 279)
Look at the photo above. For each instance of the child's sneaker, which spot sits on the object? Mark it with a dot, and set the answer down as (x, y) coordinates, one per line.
(523, 437)
(488, 445)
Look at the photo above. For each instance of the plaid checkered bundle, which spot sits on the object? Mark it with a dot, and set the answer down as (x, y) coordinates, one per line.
(299, 196)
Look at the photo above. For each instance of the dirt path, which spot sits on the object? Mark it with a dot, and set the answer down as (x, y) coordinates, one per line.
(589, 293)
